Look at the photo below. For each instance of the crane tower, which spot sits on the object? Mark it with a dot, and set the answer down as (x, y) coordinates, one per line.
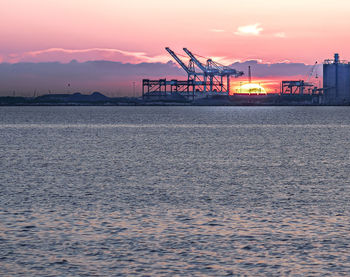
(203, 79)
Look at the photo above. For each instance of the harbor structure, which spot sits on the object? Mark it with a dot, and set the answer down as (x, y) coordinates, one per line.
(203, 80)
(296, 87)
(211, 79)
(336, 81)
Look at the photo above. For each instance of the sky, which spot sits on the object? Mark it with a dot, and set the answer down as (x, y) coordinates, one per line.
(136, 31)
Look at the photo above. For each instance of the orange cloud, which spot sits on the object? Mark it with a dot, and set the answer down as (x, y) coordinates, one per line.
(280, 35)
(249, 30)
(217, 30)
(62, 54)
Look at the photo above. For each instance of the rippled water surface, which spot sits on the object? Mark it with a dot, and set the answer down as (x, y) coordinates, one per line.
(187, 191)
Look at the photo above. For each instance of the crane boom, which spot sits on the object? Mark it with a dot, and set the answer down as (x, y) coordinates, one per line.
(312, 72)
(179, 61)
(198, 63)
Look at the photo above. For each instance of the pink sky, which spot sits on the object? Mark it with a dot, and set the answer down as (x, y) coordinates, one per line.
(135, 31)
(271, 30)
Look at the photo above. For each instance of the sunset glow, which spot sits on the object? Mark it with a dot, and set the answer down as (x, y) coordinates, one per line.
(251, 89)
(277, 33)
(232, 29)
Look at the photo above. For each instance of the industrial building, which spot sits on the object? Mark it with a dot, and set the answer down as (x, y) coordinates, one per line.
(211, 79)
(336, 81)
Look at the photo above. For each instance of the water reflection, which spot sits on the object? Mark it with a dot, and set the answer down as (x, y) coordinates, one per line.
(176, 191)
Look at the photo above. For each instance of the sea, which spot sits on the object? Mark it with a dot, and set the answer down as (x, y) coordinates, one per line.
(174, 191)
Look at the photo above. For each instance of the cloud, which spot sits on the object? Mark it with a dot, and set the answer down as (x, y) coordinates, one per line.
(112, 78)
(224, 60)
(285, 68)
(217, 30)
(285, 61)
(116, 78)
(82, 55)
(280, 35)
(249, 30)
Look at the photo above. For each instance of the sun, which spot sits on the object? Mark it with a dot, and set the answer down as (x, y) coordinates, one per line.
(250, 88)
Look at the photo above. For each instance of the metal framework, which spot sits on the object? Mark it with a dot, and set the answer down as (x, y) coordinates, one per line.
(211, 78)
(295, 87)
(164, 88)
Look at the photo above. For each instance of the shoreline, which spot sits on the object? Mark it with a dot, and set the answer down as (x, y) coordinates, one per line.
(98, 99)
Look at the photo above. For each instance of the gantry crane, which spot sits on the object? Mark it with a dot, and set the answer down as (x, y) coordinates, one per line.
(213, 70)
(300, 86)
(190, 69)
(210, 75)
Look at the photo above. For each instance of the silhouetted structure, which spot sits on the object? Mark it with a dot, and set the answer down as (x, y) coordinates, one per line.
(295, 87)
(336, 81)
(207, 79)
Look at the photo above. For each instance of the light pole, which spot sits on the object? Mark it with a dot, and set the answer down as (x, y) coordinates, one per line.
(134, 88)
